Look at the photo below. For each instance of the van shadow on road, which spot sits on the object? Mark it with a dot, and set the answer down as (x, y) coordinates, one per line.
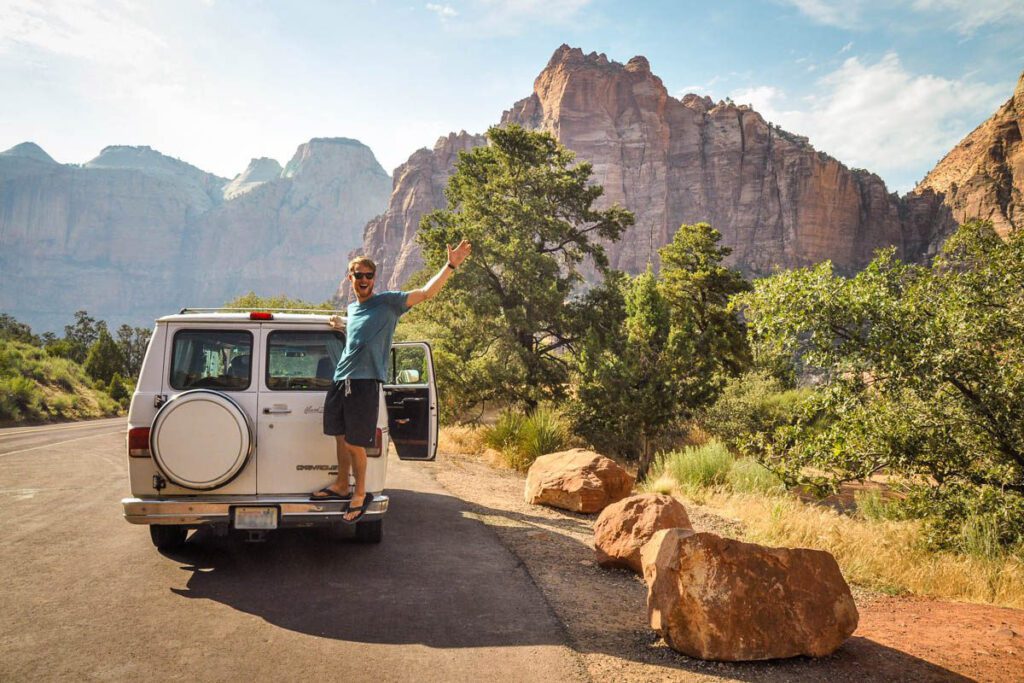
(439, 578)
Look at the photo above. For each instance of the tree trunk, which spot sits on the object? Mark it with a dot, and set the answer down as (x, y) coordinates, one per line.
(645, 459)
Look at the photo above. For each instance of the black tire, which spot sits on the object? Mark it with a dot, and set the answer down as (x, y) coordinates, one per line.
(168, 536)
(370, 531)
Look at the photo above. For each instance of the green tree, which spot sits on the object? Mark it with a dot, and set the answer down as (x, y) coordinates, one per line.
(706, 330)
(626, 394)
(252, 301)
(924, 375)
(104, 359)
(506, 318)
(81, 335)
(11, 329)
(132, 343)
(118, 390)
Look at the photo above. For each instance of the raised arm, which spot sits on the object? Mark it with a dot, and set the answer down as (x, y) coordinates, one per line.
(455, 258)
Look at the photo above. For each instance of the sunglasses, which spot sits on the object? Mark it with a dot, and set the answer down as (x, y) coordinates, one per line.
(363, 276)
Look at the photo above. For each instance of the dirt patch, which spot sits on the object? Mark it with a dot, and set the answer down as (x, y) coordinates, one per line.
(604, 612)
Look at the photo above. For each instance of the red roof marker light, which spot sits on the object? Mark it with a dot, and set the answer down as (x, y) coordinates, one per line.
(261, 315)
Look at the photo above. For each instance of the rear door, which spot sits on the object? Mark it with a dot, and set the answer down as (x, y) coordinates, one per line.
(411, 399)
(294, 454)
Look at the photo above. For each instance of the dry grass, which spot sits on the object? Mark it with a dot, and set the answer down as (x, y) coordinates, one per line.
(461, 439)
(881, 555)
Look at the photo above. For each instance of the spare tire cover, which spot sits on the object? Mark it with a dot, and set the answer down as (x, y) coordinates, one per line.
(201, 439)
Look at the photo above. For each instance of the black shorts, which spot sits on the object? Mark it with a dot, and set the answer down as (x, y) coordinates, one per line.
(353, 413)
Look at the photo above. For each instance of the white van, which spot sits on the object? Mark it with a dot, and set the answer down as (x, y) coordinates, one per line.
(225, 426)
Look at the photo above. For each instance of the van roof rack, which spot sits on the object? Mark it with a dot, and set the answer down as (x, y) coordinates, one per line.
(227, 309)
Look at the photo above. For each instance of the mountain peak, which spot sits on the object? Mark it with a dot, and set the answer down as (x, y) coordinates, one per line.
(29, 150)
(332, 153)
(258, 172)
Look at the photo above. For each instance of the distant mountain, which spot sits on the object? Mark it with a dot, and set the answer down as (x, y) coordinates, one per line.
(776, 200)
(134, 234)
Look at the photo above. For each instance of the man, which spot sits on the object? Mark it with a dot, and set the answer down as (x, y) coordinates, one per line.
(350, 410)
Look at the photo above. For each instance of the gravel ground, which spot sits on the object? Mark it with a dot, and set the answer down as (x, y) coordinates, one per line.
(604, 611)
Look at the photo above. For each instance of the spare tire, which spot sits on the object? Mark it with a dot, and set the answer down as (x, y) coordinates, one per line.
(201, 439)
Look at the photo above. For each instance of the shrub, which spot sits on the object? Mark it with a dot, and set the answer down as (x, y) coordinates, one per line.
(751, 404)
(696, 467)
(749, 476)
(873, 506)
(521, 439)
(20, 398)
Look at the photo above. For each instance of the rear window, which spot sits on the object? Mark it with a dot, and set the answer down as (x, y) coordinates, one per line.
(211, 359)
(303, 361)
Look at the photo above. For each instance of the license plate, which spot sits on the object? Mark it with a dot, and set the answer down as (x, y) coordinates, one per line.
(256, 518)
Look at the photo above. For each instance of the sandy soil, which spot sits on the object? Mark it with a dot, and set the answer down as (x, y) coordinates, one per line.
(604, 612)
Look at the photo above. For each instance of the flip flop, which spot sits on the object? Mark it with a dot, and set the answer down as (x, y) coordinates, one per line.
(361, 509)
(327, 493)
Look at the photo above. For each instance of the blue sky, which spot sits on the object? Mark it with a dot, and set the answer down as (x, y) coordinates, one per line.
(888, 86)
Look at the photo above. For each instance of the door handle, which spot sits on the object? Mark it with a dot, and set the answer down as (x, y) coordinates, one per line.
(277, 410)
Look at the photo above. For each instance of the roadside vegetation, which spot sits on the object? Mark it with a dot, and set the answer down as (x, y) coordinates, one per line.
(87, 373)
(879, 416)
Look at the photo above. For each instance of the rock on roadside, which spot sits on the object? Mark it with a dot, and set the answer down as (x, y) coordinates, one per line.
(624, 527)
(721, 599)
(577, 480)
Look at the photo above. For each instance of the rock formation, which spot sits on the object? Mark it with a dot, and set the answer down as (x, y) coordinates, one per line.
(721, 599)
(577, 480)
(776, 201)
(134, 234)
(624, 527)
(389, 239)
(983, 176)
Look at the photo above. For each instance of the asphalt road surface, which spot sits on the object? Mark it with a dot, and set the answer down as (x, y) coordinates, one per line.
(86, 595)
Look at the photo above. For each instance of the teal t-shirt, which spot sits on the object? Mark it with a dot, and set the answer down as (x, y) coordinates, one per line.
(368, 335)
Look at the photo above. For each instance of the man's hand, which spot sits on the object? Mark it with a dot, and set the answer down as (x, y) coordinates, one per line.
(460, 253)
(335, 322)
(455, 257)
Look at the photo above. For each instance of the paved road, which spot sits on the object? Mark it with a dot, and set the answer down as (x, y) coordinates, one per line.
(86, 595)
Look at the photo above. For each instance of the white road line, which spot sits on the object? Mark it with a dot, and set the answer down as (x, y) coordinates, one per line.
(46, 429)
(57, 443)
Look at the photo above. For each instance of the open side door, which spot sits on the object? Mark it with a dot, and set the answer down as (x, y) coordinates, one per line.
(411, 399)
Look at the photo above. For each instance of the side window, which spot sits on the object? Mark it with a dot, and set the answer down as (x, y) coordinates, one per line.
(303, 361)
(211, 359)
(407, 365)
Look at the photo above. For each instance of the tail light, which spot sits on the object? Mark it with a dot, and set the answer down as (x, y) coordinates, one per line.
(138, 442)
(375, 452)
(261, 315)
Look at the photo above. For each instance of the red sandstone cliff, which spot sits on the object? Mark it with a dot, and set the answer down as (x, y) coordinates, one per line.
(776, 201)
(983, 176)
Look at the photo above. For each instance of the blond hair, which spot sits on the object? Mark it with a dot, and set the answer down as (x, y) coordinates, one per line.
(362, 261)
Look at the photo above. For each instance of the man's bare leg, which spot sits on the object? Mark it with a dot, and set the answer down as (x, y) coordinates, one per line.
(340, 485)
(358, 457)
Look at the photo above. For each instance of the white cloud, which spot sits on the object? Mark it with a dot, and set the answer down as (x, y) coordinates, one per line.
(846, 48)
(443, 11)
(969, 15)
(965, 16)
(881, 117)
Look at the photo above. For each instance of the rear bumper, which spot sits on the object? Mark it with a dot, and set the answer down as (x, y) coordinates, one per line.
(200, 511)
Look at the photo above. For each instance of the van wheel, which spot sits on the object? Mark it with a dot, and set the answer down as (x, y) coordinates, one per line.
(168, 536)
(371, 531)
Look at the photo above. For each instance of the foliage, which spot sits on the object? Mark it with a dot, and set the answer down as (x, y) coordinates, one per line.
(753, 405)
(521, 439)
(118, 391)
(677, 342)
(37, 387)
(252, 301)
(80, 335)
(132, 343)
(626, 396)
(700, 470)
(924, 373)
(11, 329)
(528, 210)
(104, 359)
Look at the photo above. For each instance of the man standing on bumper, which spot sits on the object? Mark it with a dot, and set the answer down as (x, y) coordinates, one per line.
(350, 410)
